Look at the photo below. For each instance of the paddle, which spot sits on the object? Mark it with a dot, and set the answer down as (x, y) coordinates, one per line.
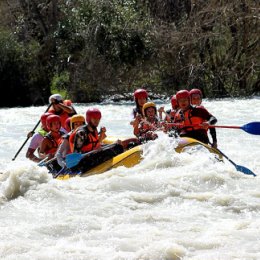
(239, 168)
(251, 128)
(74, 158)
(28, 137)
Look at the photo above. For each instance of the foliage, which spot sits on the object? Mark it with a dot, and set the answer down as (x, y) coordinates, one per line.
(92, 48)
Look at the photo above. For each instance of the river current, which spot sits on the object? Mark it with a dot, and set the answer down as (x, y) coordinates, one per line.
(170, 206)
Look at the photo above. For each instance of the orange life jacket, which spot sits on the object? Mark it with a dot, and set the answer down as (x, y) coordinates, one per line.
(188, 119)
(88, 139)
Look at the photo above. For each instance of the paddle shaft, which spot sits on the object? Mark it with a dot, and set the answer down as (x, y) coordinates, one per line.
(29, 136)
(210, 126)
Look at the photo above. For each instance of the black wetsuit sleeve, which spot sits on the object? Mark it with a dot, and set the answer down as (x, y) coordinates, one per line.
(213, 134)
(212, 120)
(204, 114)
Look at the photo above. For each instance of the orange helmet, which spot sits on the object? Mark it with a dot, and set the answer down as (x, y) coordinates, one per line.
(148, 105)
(76, 118)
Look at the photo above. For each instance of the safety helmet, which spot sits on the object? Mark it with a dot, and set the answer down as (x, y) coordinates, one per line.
(147, 105)
(92, 113)
(44, 118)
(51, 119)
(55, 96)
(174, 102)
(67, 124)
(140, 93)
(182, 94)
(195, 91)
(76, 118)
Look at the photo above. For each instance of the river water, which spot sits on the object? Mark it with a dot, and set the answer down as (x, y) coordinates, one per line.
(170, 206)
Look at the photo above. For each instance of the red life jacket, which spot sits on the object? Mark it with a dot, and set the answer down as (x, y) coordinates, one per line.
(56, 141)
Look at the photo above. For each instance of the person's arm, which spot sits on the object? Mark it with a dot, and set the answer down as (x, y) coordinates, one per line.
(30, 155)
(137, 129)
(102, 134)
(62, 151)
(34, 144)
(213, 134)
(67, 109)
(43, 148)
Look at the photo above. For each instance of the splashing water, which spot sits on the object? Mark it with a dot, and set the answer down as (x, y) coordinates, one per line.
(170, 206)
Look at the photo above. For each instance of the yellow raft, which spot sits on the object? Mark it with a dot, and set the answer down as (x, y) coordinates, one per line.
(133, 156)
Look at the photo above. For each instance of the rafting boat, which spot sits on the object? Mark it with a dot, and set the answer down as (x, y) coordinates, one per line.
(134, 156)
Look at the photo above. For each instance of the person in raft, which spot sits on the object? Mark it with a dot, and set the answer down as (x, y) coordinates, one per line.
(65, 148)
(145, 131)
(196, 100)
(140, 98)
(63, 108)
(87, 139)
(53, 139)
(37, 138)
(197, 116)
(170, 113)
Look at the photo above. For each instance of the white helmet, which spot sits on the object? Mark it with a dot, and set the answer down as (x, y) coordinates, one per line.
(55, 96)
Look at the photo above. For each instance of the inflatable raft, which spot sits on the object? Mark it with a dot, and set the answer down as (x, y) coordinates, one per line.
(133, 156)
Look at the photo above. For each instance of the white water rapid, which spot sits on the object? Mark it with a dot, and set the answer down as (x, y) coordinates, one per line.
(169, 207)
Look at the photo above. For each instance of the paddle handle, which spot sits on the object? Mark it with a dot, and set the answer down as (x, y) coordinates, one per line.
(29, 136)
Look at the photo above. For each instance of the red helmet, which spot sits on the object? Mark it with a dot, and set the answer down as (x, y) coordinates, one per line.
(195, 91)
(67, 124)
(52, 118)
(92, 113)
(44, 118)
(174, 102)
(182, 94)
(140, 93)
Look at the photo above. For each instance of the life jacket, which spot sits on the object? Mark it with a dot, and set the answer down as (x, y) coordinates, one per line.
(83, 140)
(187, 118)
(145, 127)
(62, 114)
(55, 142)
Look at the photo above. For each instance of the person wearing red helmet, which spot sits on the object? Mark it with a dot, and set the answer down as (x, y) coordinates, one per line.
(62, 108)
(195, 97)
(65, 148)
(196, 100)
(194, 120)
(86, 139)
(140, 98)
(67, 125)
(37, 138)
(53, 139)
(170, 113)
